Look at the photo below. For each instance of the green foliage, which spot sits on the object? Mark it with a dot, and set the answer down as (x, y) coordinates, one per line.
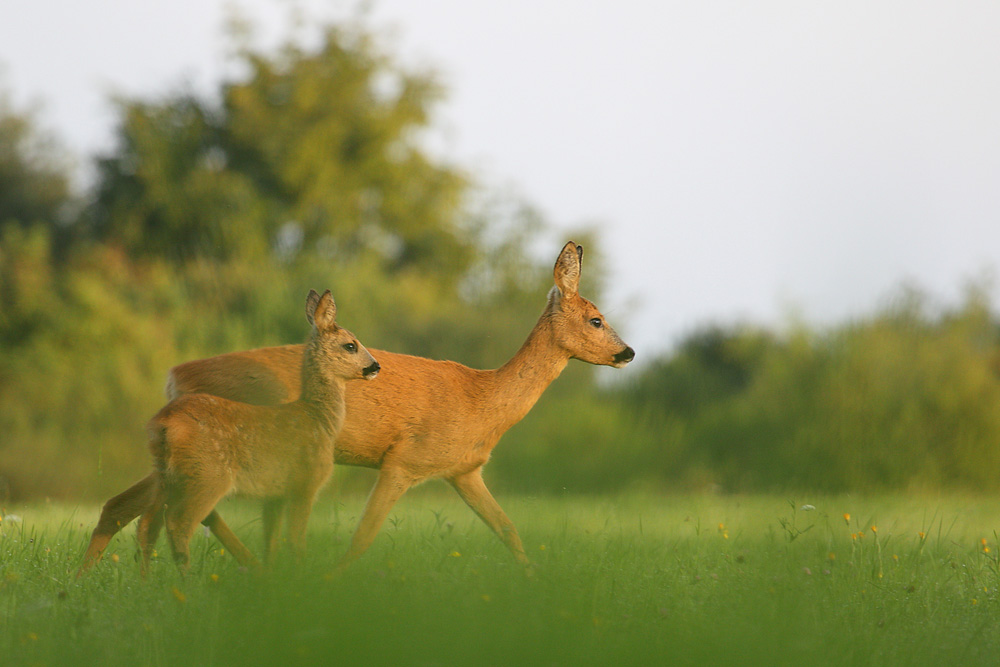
(709, 366)
(166, 192)
(80, 345)
(902, 399)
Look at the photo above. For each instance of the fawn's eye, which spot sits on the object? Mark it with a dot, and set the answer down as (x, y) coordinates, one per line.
(596, 322)
(351, 347)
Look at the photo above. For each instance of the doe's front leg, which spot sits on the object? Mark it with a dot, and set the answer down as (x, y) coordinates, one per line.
(391, 484)
(473, 491)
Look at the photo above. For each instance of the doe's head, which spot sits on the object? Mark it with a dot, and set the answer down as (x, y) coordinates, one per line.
(579, 328)
(340, 352)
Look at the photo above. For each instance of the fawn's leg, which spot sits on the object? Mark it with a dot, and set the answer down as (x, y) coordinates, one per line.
(299, 508)
(189, 503)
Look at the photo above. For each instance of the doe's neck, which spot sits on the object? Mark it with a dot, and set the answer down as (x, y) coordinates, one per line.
(521, 381)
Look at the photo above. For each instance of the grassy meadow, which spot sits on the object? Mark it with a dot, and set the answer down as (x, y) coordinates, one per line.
(631, 579)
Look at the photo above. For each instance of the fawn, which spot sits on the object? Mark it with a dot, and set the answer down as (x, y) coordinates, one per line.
(204, 446)
(423, 418)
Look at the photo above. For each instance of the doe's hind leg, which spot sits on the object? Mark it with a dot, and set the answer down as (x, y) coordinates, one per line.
(229, 540)
(272, 512)
(115, 514)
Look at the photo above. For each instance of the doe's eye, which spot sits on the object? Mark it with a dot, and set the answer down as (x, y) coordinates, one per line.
(351, 347)
(596, 322)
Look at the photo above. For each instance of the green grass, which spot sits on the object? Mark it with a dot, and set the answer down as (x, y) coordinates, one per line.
(639, 579)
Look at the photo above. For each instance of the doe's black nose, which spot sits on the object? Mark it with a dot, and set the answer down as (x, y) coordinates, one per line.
(372, 370)
(626, 355)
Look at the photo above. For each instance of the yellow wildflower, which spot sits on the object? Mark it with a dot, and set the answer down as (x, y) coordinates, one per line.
(847, 517)
(178, 594)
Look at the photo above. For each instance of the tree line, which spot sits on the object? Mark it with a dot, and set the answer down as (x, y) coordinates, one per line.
(212, 216)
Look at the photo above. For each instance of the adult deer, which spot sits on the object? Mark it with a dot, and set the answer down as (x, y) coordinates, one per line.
(423, 418)
(204, 446)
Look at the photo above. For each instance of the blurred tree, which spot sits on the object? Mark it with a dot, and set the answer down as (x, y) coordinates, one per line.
(34, 197)
(313, 152)
(34, 185)
(710, 365)
(167, 191)
(900, 399)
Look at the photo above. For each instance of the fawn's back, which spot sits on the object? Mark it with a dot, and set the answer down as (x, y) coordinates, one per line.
(259, 450)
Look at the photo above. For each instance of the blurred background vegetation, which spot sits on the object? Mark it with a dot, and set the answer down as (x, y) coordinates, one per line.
(212, 217)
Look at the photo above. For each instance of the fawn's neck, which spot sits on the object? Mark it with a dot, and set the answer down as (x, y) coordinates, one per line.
(522, 380)
(322, 392)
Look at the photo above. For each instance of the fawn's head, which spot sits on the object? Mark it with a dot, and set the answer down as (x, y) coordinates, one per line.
(336, 348)
(578, 327)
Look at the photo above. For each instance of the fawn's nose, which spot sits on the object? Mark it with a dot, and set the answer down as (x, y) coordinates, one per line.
(370, 372)
(625, 356)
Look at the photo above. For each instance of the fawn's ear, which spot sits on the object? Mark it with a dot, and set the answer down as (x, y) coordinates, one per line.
(321, 311)
(325, 313)
(311, 302)
(567, 269)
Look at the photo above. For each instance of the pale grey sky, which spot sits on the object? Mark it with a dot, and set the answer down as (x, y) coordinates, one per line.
(741, 159)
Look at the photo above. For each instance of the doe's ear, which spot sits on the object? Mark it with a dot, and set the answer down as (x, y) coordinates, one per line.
(567, 269)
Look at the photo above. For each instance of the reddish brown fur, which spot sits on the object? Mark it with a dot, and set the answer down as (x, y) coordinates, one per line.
(205, 446)
(425, 418)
